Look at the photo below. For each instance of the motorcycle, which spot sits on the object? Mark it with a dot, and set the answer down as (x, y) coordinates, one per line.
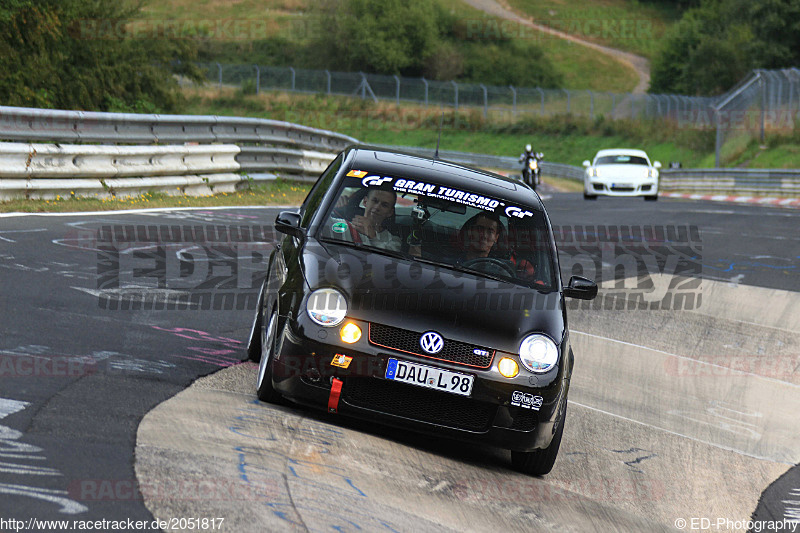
(531, 171)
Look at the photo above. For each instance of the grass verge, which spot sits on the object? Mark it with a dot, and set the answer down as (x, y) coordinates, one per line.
(279, 192)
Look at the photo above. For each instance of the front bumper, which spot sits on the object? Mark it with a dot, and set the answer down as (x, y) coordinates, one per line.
(303, 372)
(605, 187)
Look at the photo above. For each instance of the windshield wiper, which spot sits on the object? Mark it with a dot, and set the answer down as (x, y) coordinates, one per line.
(366, 247)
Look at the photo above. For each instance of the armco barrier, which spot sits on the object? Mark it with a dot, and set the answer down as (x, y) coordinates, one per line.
(29, 124)
(495, 162)
(776, 182)
(779, 182)
(265, 147)
(47, 170)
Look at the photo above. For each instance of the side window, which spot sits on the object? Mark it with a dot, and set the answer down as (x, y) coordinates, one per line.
(314, 198)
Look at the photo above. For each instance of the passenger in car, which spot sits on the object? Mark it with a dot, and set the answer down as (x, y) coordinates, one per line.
(371, 227)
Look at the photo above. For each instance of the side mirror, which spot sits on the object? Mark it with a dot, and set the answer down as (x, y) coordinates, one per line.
(587, 164)
(581, 288)
(656, 164)
(288, 222)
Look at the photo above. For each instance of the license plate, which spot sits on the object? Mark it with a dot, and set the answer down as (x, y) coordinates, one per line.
(624, 185)
(429, 377)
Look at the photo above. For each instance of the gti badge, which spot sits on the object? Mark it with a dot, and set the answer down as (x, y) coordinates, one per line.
(431, 342)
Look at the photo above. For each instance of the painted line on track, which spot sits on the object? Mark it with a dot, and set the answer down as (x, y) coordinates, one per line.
(149, 210)
(735, 370)
(715, 445)
(750, 200)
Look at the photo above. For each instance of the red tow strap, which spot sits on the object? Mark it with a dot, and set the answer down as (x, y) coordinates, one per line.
(336, 392)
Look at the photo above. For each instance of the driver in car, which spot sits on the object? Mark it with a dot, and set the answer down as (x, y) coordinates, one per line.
(480, 235)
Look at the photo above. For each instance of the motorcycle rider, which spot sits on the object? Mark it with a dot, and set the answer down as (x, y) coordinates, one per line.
(525, 159)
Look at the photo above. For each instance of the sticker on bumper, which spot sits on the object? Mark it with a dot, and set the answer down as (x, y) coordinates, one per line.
(526, 400)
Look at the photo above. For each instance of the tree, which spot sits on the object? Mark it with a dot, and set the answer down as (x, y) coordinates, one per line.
(385, 36)
(79, 54)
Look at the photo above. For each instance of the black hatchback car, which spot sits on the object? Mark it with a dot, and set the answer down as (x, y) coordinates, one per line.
(421, 294)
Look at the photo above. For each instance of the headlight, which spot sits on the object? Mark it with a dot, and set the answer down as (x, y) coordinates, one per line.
(538, 353)
(593, 172)
(326, 307)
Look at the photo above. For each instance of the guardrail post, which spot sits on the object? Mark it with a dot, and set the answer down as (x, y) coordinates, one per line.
(541, 92)
(568, 98)
(591, 104)
(258, 79)
(425, 82)
(294, 76)
(718, 142)
(513, 99)
(763, 106)
(328, 74)
(485, 101)
(613, 103)
(455, 97)
(219, 71)
(397, 92)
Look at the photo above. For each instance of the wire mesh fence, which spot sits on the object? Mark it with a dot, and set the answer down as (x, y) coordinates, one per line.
(766, 101)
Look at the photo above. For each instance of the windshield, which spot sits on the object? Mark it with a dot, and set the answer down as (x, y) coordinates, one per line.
(621, 160)
(454, 228)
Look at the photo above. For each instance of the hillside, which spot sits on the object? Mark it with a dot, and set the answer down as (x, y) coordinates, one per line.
(282, 32)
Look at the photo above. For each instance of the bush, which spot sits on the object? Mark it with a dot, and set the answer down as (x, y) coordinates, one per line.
(77, 54)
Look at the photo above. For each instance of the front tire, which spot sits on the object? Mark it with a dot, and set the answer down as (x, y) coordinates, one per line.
(540, 462)
(589, 196)
(653, 198)
(264, 388)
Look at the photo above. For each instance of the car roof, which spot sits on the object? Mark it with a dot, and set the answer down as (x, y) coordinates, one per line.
(404, 165)
(621, 151)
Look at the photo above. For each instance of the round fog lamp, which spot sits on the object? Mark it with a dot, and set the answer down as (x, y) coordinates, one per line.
(350, 333)
(508, 367)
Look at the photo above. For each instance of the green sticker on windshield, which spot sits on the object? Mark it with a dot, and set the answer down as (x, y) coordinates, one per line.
(339, 227)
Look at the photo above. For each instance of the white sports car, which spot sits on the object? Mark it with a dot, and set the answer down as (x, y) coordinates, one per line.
(621, 172)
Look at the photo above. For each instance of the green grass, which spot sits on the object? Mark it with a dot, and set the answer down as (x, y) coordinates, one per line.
(277, 32)
(634, 26)
(279, 192)
(562, 139)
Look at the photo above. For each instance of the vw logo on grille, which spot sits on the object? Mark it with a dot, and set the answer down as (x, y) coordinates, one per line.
(431, 342)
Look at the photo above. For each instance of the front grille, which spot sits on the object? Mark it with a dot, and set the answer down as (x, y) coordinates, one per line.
(408, 341)
(623, 189)
(418, 403)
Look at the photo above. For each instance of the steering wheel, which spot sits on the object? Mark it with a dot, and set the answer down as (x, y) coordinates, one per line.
(490, 263)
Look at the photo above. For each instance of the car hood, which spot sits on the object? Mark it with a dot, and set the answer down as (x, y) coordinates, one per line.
(420, 297)
(622, 172)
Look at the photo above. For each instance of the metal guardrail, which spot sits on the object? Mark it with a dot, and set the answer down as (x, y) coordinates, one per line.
(30, 124)
(746, 181)
(50, 170)
(495, 162)
(710, 181)
(267, 146)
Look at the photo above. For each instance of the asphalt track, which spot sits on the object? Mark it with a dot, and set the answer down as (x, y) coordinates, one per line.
(675, 414)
